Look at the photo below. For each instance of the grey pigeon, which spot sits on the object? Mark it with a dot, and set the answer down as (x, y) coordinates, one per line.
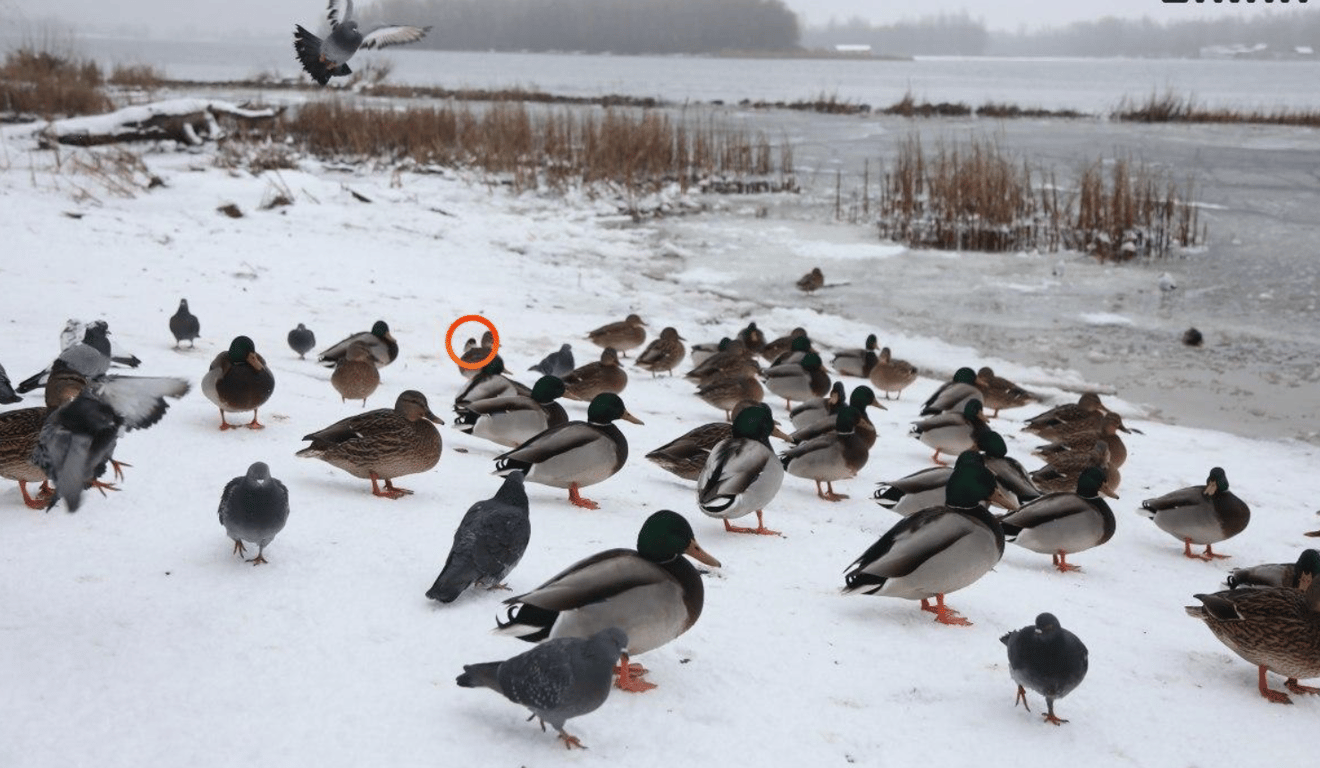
(301, 340)
(78, 438)
(90, 357)
(324, 59)
(254, 508)
(1046, 658)
(184, 325)
(7, 394)
(489, 542)
(557, 680)
(556, 364)
(75, 330)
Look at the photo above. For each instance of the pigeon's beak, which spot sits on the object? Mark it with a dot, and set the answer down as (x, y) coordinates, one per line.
(695, 552)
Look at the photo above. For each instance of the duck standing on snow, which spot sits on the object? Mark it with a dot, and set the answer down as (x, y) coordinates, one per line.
(1048, 659)
(184, 325)
(474, 353)
(1065, 421)
(889, 374)
(254, 508)
(773, 349)
(1200, 514)
(324, 59)
(839, 455)
(489, 542)
(239, 380)
(811, 411)
(686, 455)
(490, 382)
(951, 432)
(575, 454)
(623, 335)
(382, 444)
(937, 550)
(512, 420)
(1275, 628)
(1062, 524)
(604, 375)
(356, 375)
(952, 395)
(301, 340)
(1000, 393)
(857, 362)
(379, 340)
(798, 381)
(742, 474)
(652, 593)
(1270, 574)
(663, 354)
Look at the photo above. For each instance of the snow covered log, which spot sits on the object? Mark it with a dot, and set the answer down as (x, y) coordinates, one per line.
(184, 120)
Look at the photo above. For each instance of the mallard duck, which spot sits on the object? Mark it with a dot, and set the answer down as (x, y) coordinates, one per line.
(1269, 575)
(379, 340)
(685, 455)
(556, 364)
(1062, 524)
(1084, 442)
(925, 488)
(474, 353)
(779, 346)
(184, 326)
(837, 456)
(356, 375)
(1200, 514)
(1052, 479)
(604, 375)
(1275, 628)
(512, 420)
(239, 380)
(725, 392)
(798, 381)
(623, 335)
(7, 394)
(742, 473)
(1000, 393)
(731, 356)
(489, 383)
(811, 411)
(951, 432)
(575, 454)
(937, 550)
(1010, 476)
(652, 593)
(703, 351)
(1069, 419)
(891, 375)
(1048, 659)
(752, 338)
(798, 348)
(663, 354)
(382, 444)
(952, 395)
(861, 398)
(301, 340)
(857, 362)
(812, 281)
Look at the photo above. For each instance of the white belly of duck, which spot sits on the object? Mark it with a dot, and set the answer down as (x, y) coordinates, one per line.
(966, 553)
(1196, 523)
(512, 428)
(652, 615)
(1071, 534)
(585, 465)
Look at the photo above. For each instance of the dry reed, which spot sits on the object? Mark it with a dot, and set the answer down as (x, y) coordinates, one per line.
(1169, 107)
(40, 82)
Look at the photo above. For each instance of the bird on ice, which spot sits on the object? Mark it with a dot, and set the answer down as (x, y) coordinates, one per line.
(327, 58)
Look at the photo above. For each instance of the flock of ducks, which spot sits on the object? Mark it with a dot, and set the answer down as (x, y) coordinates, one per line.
(621, 603)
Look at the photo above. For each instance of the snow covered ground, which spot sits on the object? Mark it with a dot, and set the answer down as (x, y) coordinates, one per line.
(129, 634)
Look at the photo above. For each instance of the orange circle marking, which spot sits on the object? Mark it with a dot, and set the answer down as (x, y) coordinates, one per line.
(494, 345)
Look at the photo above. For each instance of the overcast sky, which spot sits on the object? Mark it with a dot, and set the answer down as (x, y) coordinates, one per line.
(257, 16)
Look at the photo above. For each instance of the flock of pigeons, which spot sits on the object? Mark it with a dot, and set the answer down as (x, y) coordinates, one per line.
(592, 617)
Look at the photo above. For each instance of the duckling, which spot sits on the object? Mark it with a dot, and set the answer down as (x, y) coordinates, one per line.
(356, 375)
(1200, 514)
(511, 420)
(798, 381)
(652, 593)
(742, 473)
(1000, 393)
(685, 455)
(837, 456)
(857, 362)
(1062, 524)
(1275, 628)
(605, 375)
(623, 335)
(663, 354)
(937, 550)
(379, 340)
(951, 432)
(382, 444)
(575, 454)
(892, 375)
(239, 380)
(952, 395)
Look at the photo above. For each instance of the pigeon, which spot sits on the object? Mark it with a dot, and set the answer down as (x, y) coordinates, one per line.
(7, 394)
(324, 59)
(1046, 658)
(254, 508)
(489, 542)
(557, 680)
(74, 331)
(79, 437)
(90, 357)
(184, 325)
(301, 340)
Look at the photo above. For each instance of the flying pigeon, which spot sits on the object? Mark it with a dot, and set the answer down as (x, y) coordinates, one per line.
(1046, 658)
(557, 680)
(184, 325)
(254, 508)
(7, 394)
(489, 542)
(301, 340)
(324, 59)
(556, 364)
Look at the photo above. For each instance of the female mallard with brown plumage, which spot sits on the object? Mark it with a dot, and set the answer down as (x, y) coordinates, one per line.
(239, 380)
(356, 375)
(664, 354)
(604, 375)
(1110, 425)
(1069, 419)
(383, 444)
(1275, 628)
(891, 375)
(725, 392)
(623, 335)
(1000, 393)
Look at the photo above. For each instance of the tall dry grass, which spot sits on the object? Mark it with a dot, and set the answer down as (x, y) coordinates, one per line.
(1169, 107)
(978, 197)
(51, 85)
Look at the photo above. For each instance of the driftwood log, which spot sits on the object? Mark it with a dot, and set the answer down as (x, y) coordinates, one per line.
(187, 121)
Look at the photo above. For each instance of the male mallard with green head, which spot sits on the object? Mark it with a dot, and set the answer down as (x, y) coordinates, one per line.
(239, 380)
(512, 420)
(742, 474)
(839, 455)
(1062, 524)
(379, 340)
(1200, 514)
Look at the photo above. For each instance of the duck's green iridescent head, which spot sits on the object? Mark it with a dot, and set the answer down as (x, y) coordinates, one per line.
(1091, 481)
(972, 410)
(547, 389)
(1217, 482)
(861, 397)
(991, 443)
(964, 376)
(1309, 562)
(666, 535)
(811, 361)
(971, 483)
(800, 343)
(755, 422)
(871, 342)
(381, 330)
(494, 368)
(608, 407)
(845, 421)
(240, 348)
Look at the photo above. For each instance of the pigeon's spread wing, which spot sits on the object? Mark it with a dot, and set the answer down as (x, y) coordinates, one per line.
(339, 11)
(380, 37)
(140, 401)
